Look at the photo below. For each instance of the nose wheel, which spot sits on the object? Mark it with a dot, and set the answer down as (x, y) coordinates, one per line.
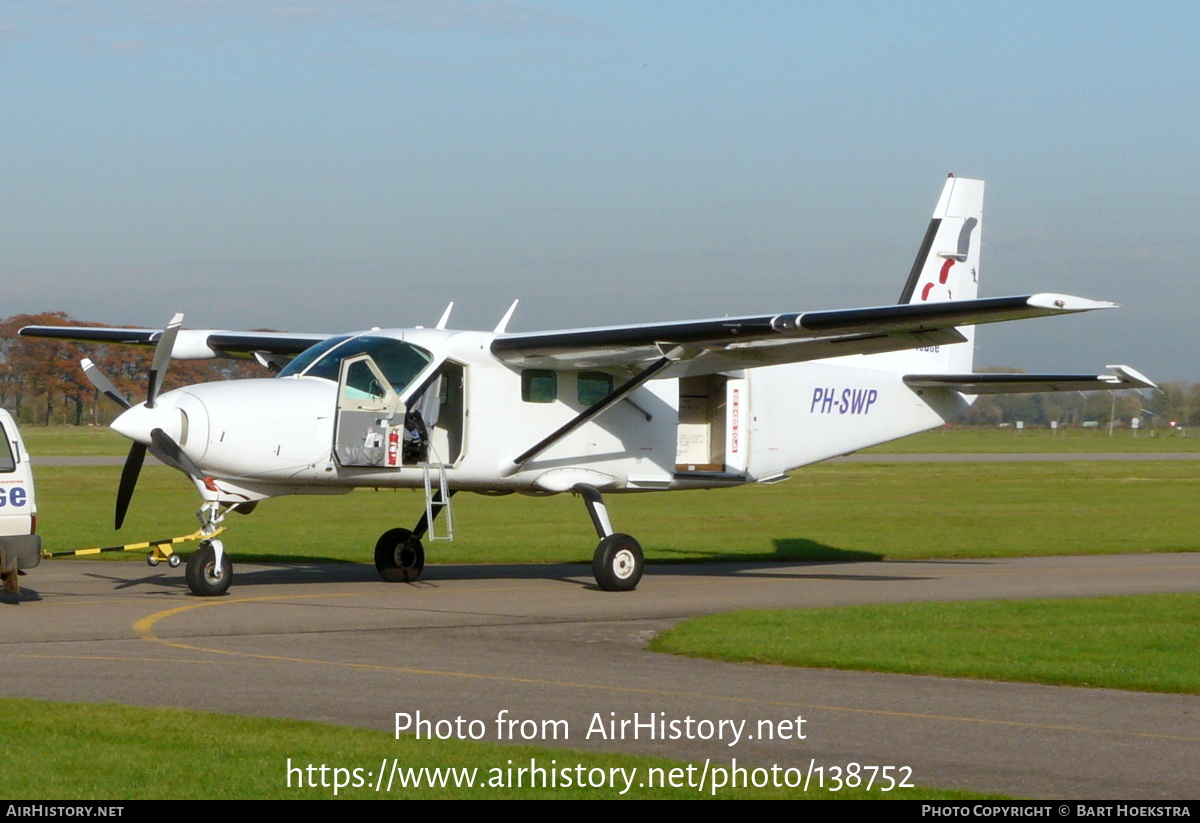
(209, 570)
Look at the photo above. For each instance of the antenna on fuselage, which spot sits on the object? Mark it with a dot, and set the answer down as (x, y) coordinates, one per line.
(441, 324)
(503, 324)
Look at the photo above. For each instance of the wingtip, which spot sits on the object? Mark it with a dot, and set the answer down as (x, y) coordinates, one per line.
(1128, 374)
(1068, 302)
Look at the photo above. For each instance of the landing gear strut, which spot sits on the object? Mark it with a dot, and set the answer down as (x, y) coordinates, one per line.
(618, 562)
(399, 555)
(209, 570)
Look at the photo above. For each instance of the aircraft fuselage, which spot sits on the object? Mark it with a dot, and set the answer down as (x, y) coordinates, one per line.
(296, 433)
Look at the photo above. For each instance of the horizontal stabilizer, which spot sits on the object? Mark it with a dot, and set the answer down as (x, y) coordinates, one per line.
(1121, 377)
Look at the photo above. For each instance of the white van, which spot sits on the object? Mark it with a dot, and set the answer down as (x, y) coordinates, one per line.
(20, 547)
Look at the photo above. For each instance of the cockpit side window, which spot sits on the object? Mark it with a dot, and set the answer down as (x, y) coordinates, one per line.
(399, 361)
(306, 358)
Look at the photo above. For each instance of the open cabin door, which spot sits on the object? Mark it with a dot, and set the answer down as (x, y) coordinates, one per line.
(712, 425)
(370, 416)
(448, 414)
(375, 428)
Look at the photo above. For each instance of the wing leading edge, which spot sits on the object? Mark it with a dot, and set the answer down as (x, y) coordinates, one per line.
(696, 346)
(744, 342)
(190, 344)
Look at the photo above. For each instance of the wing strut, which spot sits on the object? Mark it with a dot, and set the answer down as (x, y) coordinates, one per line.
(612, 398)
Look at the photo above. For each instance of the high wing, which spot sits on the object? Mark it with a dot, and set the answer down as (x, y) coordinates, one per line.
(724, 344)
(1122, 377)
(190, 344)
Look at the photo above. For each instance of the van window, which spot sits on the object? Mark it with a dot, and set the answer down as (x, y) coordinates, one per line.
(8, 463)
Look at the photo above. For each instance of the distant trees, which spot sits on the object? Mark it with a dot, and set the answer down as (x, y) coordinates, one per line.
(41, 380)
(1068, 408)
(1177, 403)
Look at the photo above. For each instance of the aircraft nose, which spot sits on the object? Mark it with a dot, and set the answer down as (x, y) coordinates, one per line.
(137, 422)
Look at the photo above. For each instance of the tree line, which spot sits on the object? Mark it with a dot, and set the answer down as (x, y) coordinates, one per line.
(41, 382)
(1172, 405)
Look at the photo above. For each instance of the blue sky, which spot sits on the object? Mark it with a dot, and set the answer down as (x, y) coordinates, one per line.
(325, 166)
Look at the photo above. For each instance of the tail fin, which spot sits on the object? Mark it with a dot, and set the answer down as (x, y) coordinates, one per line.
(947, 264)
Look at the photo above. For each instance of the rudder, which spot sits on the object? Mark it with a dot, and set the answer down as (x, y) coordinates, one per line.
(947, 264)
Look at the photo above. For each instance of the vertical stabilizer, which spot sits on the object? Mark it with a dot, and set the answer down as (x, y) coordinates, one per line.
(947, 264)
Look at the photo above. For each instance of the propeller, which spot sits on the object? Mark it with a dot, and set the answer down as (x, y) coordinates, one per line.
(162, 359)
(129, 478)
(96, 377)
(169, 451)
(164, 447)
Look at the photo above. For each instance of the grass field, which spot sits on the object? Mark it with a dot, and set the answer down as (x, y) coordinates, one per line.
(1144, 643)
(85, 751)
(957, 440)
(72, 441)
(48, 441)
(826, 512)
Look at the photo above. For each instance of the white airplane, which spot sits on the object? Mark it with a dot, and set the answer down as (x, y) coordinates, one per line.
(647, 407)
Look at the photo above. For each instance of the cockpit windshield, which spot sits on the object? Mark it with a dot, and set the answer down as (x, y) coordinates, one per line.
(400, 362)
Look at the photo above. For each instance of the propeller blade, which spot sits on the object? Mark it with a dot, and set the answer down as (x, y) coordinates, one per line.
(103, 385)
(162, 359)
(163, 442)
(129, 478)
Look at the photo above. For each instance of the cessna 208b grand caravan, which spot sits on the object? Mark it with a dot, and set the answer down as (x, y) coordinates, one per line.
(648, 407)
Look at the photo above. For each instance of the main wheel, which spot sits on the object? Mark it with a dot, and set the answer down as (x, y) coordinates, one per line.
(618, 563)
(203, 576)
(399, 557)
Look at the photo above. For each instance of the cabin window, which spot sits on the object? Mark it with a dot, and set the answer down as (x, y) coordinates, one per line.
(594, 386)
(539, 386)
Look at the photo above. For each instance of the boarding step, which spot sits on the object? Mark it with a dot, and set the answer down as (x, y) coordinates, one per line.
(437, 498)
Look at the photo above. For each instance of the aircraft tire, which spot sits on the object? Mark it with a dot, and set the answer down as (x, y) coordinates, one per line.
(200, 572)
(618, 563)
(399, 557)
